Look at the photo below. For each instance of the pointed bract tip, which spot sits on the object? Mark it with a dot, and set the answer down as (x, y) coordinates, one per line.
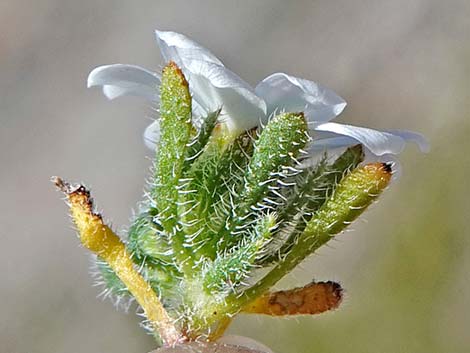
(67, 188)
(336, 290)
(61, 184)
(387, 167)
(379, 171)
(358, 149)
(176, 70)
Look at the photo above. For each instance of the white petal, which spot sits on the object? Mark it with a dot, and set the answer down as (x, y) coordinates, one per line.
(199, 113)
(152, 135)
(379, 143)
(329, 143)
(182, 50)
(119, 80)
(284, 92)
(214, 86)
(411, 136)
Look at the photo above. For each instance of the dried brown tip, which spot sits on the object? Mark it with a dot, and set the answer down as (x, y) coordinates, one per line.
(379, 168)
(387, 167)
(63, 186)
(381, 172)
(68, 188)
(314, 298)
(174, 67)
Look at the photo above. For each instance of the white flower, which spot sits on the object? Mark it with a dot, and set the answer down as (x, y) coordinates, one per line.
(213, 86)
(321, 105)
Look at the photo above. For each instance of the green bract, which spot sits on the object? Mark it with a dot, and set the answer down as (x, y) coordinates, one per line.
(221, 209)
(239, 194)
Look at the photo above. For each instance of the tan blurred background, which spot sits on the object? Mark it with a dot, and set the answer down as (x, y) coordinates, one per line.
(399, 64)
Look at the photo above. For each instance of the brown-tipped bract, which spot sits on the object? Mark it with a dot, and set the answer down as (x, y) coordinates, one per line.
(314, 298)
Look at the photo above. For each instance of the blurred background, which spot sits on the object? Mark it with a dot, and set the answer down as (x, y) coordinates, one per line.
(399, 64)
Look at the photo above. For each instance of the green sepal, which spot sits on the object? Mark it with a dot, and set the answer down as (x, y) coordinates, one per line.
(352, 196)
(312, 188)
(213, 176)
(277, 146)
(175, 134)
(176, 127)
(314, 185)
(147, 242)
(230, 269)
(152, 254)
(274, 159)
(196, 146)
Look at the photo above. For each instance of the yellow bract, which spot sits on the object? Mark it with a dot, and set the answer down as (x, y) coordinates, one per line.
(101, 240)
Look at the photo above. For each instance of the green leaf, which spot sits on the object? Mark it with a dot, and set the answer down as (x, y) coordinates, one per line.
(176, 127)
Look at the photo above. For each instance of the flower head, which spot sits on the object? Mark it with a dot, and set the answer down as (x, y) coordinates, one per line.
(247, 183)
